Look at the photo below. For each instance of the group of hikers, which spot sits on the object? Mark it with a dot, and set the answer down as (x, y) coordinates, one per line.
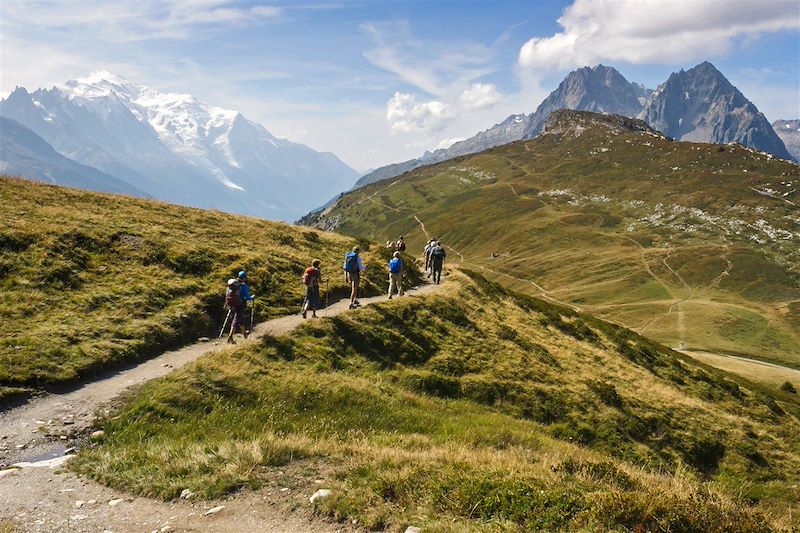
(238, 294)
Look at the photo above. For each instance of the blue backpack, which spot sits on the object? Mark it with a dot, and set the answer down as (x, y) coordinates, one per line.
(351, 262)
(395, 265)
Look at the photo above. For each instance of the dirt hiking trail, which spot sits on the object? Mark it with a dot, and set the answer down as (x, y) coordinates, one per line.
(35, 436)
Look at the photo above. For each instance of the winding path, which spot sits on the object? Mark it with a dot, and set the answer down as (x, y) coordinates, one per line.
(33, 438)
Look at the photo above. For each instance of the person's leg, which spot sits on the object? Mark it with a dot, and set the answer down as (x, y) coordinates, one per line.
(315, 300)
(235, 324)
(400, 284)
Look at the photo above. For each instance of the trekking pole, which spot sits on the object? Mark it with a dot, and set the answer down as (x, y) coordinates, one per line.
(225, 323)
(327, 290)
(252, 313)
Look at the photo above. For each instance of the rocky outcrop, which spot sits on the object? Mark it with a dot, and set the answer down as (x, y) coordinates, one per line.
(570, 121)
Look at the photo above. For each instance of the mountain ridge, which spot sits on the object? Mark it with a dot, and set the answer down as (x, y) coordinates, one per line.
(603, 89)
(24, 153)
(178, 148)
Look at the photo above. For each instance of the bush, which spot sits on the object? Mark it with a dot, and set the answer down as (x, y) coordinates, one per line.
(607, 393)
(788, 387)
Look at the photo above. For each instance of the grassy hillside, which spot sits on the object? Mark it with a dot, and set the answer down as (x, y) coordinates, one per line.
(88, 281)
(475, 409)
(694, 245)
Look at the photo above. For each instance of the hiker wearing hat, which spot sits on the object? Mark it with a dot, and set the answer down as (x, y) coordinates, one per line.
(311, 279)
(396, 269)
(353, 267)
(236, 298)
(401, 244)
(437, 261)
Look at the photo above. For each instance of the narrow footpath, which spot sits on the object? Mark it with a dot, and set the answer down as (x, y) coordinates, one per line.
(36, 437)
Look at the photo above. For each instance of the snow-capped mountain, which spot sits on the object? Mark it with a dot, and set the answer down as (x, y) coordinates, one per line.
(177, 148)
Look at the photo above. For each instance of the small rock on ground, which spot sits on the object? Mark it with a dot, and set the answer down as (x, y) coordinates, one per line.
(321, 494)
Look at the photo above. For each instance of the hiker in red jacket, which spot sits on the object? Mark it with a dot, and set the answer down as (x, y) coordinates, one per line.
(311, 279)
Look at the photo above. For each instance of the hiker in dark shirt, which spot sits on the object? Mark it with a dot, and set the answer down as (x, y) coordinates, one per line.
(237, 297)
(437, 254)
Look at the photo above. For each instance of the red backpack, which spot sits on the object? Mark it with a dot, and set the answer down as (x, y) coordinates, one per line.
(233, 296)
(309, 275)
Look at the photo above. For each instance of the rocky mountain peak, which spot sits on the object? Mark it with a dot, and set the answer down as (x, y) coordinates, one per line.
(701, 105)
(600, 89)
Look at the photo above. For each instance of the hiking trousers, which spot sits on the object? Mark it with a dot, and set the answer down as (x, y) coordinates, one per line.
(436, 268)
(395, 283)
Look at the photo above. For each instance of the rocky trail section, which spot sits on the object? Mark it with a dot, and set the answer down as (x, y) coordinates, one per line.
(36, 437)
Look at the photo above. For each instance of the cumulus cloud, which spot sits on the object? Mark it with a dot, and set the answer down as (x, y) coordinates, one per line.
(480, 95)
(406, 114)
(653, 31)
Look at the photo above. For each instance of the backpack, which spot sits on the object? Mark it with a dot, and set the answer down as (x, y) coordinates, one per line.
(233, 297)
(309, 275)
(351, 262)
(395, 266)
(401, 246)
(437, 252)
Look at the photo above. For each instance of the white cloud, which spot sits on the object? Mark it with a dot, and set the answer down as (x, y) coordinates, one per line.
(440, 68)
(406, 114)
(480, 95)
(126, 22)
(653, 31)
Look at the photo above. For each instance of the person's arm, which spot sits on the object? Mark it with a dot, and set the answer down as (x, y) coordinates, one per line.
(361, 266)
(246, 293)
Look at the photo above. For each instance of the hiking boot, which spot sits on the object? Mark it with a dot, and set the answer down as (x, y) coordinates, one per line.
(390, 296)
(313, 315)
(245, 335)
(304, 314)
(231, 341)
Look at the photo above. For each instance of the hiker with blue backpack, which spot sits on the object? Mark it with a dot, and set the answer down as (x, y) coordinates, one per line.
(396, 271)
(236, 297)
(353, 267)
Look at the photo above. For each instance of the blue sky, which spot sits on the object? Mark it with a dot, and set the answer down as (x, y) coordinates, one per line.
(378, 82)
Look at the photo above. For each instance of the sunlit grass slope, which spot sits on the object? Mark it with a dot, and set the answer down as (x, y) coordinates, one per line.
(89, 280)
(695, 245)
(474, 409)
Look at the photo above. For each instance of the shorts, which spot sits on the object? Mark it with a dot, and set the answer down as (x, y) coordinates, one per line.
(355, 277)
(238, 316)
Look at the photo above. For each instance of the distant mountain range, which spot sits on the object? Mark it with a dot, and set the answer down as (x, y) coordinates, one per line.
(698, 104)
(789, 132)
(174, 147)
(23, 153)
